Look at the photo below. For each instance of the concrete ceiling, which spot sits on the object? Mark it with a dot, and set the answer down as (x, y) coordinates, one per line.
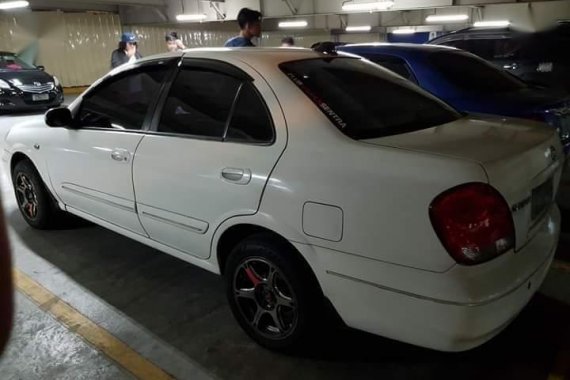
(288, 6)
(403, 12)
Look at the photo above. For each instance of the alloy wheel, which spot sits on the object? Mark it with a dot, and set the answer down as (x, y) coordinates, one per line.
(26, 196)
(265, 298)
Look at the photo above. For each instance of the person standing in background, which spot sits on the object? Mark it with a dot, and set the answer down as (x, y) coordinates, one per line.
(127, 51)
(250, 26)
(287, 42)
(173, 43)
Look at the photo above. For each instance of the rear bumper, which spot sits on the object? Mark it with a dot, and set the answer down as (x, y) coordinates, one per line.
(451, 311)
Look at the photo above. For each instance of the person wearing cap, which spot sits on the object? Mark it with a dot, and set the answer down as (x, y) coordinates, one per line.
(127, 51)
(173, 43)
(250, 26)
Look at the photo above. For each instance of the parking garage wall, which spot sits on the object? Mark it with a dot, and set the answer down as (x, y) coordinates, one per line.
(76, 47)
(214, 35)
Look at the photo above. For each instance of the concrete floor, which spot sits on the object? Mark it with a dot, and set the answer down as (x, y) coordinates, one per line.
(176, 315)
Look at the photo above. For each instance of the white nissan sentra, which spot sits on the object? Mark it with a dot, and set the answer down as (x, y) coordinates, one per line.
(307, 180)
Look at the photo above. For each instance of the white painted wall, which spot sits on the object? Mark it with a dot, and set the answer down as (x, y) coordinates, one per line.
(76, 47)
(355, 38)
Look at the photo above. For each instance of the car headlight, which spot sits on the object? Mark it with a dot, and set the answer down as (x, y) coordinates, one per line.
(56, 81)
(4, 85)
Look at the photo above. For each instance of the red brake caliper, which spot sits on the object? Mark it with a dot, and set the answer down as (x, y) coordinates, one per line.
(252, 277)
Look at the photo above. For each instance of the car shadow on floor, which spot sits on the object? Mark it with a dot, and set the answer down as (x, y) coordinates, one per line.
(185, 306)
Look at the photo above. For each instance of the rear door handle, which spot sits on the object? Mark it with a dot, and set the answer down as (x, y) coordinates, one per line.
(121, 155)
(237, 176)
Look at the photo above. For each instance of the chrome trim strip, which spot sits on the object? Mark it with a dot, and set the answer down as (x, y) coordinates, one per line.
(437, 300)
(98, 199)
(175, 223)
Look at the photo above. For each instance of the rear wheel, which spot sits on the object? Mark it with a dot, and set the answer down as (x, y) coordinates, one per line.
(272, 293)
(34, 200)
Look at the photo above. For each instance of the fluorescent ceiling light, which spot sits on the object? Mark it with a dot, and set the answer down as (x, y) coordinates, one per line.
(497, 23)
(363, 28)
(293, 24)
(446, 18)
(192, 17)
(375, 6)
(404, 31)
(14, 4)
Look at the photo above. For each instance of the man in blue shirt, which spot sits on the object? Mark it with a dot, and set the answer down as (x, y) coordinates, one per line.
(250, 24)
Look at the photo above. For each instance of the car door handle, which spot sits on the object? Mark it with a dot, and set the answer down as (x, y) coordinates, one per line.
(121, 155)
(512, 66)
(237, 176)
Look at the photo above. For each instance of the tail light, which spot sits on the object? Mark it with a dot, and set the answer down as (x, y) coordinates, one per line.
(473, 222)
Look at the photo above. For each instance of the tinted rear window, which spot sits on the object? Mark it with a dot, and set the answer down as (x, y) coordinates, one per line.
(365, 101)
(473, 74)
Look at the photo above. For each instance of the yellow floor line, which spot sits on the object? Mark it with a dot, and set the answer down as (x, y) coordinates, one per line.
(561, 265)
(561, 370)
(98, 337)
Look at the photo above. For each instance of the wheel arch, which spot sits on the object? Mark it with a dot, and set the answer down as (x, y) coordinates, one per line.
(234, 231)
(19, 157)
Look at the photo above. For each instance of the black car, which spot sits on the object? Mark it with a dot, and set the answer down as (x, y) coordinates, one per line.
(26, 87)
(540, 58)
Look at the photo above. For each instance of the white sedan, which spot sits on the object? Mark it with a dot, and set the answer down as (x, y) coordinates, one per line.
(307, 180)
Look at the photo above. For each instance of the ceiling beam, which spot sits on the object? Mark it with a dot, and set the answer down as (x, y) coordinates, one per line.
(99, 5)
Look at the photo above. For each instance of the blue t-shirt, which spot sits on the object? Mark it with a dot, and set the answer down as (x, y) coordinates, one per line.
(238, 41)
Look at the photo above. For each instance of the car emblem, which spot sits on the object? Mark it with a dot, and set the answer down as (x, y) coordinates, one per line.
(37, 84)
(551, 154)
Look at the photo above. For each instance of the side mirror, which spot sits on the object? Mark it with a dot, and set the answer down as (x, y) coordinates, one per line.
(59, 117)
(41, 68)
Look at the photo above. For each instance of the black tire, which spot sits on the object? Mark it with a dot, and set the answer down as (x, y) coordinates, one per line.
(34, 200)
(292, 294)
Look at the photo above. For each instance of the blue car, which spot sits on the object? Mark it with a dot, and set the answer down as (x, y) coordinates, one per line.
(469, 83)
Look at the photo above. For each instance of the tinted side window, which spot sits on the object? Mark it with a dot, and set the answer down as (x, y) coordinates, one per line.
(250, 121)
(472, 74)
(199, 103)
(482, 47)
(506, 48)
(123, 102)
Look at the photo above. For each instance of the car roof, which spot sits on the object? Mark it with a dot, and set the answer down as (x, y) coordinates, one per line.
(402, 50)
(245, 54)
(386, 46)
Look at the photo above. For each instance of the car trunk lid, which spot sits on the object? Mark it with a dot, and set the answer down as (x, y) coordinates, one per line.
(522, 160)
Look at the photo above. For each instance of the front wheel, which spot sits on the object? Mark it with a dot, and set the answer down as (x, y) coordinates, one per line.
(34, 200)
(272, 293)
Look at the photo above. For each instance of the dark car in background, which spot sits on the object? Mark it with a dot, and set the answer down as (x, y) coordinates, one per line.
(541, 57)
(26, 87)
(469, 83)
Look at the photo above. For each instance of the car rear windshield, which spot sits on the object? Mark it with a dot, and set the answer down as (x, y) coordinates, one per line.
(11, 62)
(473, 74)
(364, 100)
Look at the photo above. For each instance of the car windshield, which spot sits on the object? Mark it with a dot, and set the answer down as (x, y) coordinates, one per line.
(364, 100)
(12, 62)
(473, 74)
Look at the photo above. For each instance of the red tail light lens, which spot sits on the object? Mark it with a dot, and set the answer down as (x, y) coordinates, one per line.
(473, 222)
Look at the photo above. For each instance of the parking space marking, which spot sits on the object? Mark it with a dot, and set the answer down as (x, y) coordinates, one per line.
(95, 335)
